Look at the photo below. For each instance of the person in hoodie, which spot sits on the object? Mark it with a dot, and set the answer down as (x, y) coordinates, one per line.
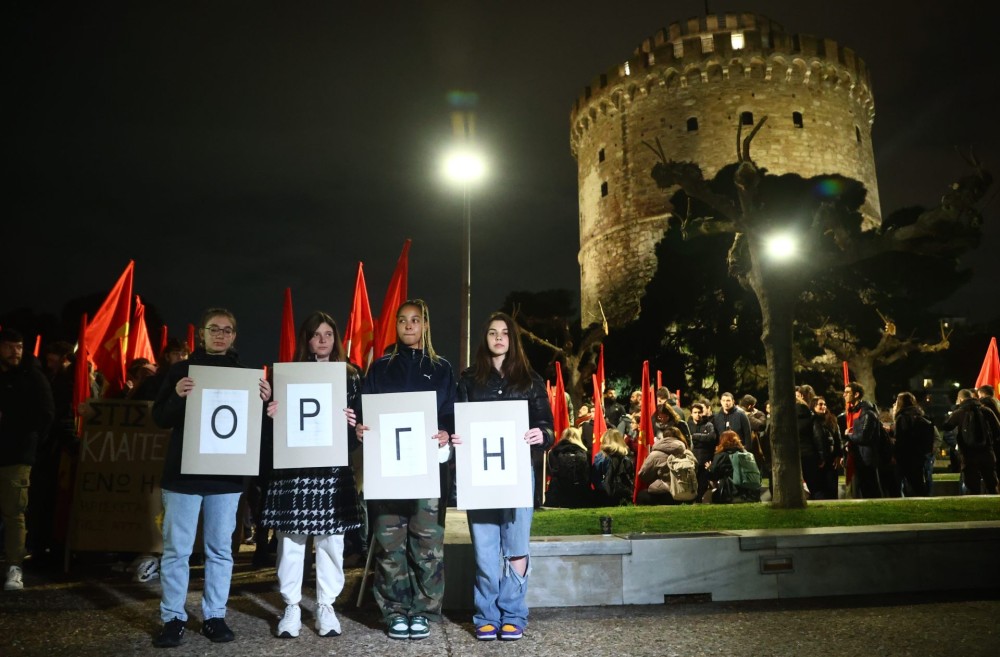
(26, 414)
(655, 472)
(185, 496)
(500, 536)
(408, 535)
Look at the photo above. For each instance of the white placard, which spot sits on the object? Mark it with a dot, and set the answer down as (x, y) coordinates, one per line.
(310, 420)
(405, 468)
(310, 430)
(492, 445)
(222, 421)
(222, 432)
(488, 477)
(403, 445)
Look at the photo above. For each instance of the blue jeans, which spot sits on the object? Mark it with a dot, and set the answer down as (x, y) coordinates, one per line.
(498, 535)
(180, 525)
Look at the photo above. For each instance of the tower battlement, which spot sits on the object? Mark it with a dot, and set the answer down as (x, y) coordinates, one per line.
(717, 48)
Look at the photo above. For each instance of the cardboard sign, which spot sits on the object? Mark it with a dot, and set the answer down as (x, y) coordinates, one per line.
(222, 422)
(116, 495)
(400, 453)
(310, 430)
(493, 463)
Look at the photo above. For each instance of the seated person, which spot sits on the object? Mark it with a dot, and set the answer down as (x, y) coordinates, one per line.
(669, 472)
(569, 469)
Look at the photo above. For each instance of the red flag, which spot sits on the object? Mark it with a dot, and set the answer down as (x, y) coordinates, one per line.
(847, 381)
(385, 333)
(38, 344)
(989, 373)
(81, 371)
(659, 379)
(107, 334)
(286, 345)
(163, 338)
(191, 338)
(600, 370)
(359, 335)
(138, 339)
(560, 411)
(645, 438)
(600, 425)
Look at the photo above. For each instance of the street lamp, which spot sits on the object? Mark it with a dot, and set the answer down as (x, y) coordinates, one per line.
(781, 247)
(465, 166)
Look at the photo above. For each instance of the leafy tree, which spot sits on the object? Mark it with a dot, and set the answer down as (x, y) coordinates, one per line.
(822, 213)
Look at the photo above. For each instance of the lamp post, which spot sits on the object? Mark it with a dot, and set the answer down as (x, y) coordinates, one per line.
(464, 166)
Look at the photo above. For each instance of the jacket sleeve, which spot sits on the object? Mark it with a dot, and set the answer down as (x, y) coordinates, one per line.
(705, 436)
(819, 438)
(447, 393)
(648, 472)
(168, 409)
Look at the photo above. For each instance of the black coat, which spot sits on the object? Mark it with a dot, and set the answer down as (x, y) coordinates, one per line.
(498, 388)
(26, 412)
(410, 370)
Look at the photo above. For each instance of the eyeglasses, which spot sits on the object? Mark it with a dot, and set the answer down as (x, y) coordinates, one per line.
(216, 330)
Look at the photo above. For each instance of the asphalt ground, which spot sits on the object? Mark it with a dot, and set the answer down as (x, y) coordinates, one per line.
(97, 610)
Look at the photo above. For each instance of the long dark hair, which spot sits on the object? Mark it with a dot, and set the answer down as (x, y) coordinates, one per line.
(306, 331)
(515, 367)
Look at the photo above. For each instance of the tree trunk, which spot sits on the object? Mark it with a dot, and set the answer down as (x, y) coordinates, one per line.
(776, 296)
(862, 368)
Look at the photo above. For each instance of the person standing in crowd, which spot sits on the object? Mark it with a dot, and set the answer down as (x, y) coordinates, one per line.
(569, 470)
(666, 416)
(828, 435)
(731, 418)
(216, 497)
(811, 447)
(317, 502)
(758, 422)
(26, 413)
(613, 411)
(703, 442)
(501, 536)
(409, 536)
(862, 441)
(978, 431)
(914, 435)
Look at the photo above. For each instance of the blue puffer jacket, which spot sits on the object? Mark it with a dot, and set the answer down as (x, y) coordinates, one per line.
(410, 370)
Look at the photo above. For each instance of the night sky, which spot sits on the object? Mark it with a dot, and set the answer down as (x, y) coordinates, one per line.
(236, 149)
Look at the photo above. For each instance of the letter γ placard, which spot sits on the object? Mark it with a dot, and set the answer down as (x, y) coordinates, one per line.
(403, 444)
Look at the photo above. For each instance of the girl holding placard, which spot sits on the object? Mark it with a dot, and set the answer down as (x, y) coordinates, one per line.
(317, 502)
(500, 536)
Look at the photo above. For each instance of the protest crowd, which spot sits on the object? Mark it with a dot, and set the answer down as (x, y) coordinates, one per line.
(644, 447)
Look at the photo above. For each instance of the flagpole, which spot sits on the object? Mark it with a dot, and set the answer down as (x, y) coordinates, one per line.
(463, 338)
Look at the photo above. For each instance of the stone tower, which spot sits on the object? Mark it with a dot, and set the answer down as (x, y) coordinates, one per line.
(689, 85)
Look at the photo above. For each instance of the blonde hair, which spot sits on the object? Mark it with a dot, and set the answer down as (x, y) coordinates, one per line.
(613, 443)
(573, 435)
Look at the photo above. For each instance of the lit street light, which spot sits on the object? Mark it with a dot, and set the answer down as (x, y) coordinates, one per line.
(465, 166)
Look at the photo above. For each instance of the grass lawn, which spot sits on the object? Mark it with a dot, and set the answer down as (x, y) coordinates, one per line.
(720, 517)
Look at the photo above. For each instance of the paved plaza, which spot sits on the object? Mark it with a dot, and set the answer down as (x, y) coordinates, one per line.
(98, 611)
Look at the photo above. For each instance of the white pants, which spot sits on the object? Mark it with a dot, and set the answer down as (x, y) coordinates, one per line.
(329, 566)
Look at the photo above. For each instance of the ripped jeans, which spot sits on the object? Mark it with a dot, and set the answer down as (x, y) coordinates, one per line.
(498, 535)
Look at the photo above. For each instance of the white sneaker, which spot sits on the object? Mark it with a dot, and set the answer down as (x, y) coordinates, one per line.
(15, 579)
(147, 569)
(327, 623)
(290, 623)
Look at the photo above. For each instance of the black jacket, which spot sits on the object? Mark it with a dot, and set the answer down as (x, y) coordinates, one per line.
(497, 388)
(409, 370)
(26, 412)
(810, 441)
(703, 440)
(168, 412)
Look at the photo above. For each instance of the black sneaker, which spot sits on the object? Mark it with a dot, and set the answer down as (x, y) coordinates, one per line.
(217, 631)
(171, 634)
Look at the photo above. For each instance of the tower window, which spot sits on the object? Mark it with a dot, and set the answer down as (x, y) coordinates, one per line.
(797, 119)
(604, 189)
(736, 39)
(600, 155)
(857, 133)
(707, 43)
(692, 124)
(746, 118)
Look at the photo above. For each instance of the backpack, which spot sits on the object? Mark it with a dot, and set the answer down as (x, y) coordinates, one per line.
(746, 474)
(574, 468)
(977, 430)
(619, 481)
(683, 476)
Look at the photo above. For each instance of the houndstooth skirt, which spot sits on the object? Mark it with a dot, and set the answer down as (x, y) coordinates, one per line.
(312, 501)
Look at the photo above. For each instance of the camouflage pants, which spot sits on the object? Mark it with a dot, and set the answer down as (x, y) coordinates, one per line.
(409, 569)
